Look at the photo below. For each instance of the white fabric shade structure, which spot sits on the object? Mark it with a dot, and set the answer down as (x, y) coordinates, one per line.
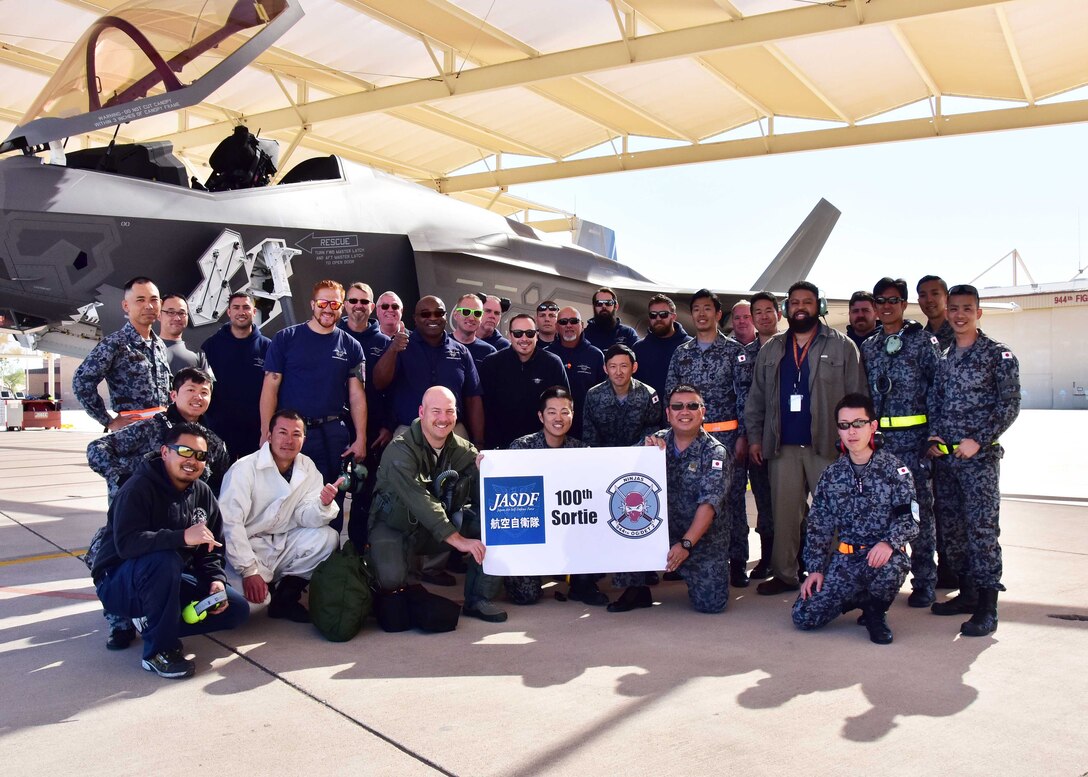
(473, 96)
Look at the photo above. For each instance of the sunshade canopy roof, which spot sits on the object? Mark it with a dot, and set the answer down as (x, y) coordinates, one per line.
(472, 96)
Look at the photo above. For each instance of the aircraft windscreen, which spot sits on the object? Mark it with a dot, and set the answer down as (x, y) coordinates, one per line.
(139, 59)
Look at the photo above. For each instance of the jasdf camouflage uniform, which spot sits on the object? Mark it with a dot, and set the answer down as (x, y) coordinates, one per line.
(699, 474)
(757, 474)
(861, 510)
(526, 589)
(975, 395)
(607, 422)
(117, 455)
(138, 376)
(717, 373)
(944, 334)
(899, 385)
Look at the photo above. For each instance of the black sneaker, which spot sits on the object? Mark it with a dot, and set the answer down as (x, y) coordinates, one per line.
(171, 664)
(120, 639)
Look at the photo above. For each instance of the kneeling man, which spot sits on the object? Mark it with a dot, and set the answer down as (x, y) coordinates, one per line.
(162, 551)
(698, 471)
(276, 515)
(414, 513)
(866, 500)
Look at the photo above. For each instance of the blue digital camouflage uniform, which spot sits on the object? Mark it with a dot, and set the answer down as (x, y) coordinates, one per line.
(899, 385)
(758, 475)
(117, 455)
(717, 373)
(699, 474)
(608, 422)
(860, 510)
(525, 589)
(975, 395)
(944, 334)
(138, 376)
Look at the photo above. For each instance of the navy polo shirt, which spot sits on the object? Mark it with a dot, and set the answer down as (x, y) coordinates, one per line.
(796, 427)
(420, 366)
(315, 369)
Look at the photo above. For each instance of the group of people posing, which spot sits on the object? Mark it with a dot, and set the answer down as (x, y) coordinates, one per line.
(242, 453)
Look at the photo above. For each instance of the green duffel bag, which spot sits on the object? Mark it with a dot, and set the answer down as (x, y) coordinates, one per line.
(340, 595)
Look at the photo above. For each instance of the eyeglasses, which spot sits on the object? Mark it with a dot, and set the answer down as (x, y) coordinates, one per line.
(547, 306)
(330, 304)
(358, 301)
(656, 314)
(568, 321)
(390, 306)
(426, 314)
(890, 300)
(530, 333)
(188, 453)
(175, 313)
(470, 312)
(857, 423)
(685, 405)
(605, 303)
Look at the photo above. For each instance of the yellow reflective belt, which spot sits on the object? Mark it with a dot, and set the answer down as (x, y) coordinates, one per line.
(946, 449)
(902, 421)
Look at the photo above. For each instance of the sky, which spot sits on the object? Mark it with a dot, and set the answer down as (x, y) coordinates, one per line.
(948, 206)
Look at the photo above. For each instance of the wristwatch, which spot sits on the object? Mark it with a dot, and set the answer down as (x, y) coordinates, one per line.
(685, 543)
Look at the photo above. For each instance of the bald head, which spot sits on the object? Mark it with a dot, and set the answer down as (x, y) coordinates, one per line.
(438, 415)
(570, 333)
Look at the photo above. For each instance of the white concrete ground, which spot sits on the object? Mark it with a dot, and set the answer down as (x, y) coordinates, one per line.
(560, 688)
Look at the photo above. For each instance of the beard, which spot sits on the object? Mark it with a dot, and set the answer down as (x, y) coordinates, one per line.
(606, 319)
(803, 325)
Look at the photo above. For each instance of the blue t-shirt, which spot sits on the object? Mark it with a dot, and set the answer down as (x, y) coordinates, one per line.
(420, 366)
(315, 369)
(796, 427)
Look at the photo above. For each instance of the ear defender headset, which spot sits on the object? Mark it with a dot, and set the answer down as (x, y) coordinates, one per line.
(354, 475)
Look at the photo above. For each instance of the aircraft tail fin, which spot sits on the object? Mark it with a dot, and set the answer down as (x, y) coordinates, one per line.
(799, 253)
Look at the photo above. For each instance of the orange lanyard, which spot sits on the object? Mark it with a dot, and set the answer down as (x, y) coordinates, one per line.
(799, 356)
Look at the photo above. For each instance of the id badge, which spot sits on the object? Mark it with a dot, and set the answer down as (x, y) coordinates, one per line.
(795, 403)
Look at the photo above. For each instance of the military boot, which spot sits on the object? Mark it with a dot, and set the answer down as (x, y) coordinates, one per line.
(738, 576)
(286, 600)
(984, 621)
(762, 570)
(874, 613)
(963, 602)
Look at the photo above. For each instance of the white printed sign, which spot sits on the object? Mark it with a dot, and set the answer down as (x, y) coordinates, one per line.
(573, 511)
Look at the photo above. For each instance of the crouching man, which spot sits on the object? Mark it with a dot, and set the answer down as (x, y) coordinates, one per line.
(865, 498)
(276, 515)
(414, 513)
(162, 552)
(698, 471)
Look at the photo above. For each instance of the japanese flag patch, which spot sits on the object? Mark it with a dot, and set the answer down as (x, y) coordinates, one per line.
(903, 471)
(741, 357)
(934, 340)
(716, 464)
(1006, 354)
(654, 399)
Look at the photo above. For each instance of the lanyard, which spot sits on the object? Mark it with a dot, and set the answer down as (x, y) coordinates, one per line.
(799, 357)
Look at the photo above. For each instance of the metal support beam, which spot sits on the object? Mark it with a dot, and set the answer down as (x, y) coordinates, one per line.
(1014, 54)
(838, 137)
(675, 44)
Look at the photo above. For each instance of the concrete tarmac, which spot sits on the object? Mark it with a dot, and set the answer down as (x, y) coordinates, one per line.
(560, 688)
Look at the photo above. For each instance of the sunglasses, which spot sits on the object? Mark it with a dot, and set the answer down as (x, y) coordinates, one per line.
(857, 423)
(605, 303)
(656, 314)
(188, 453)
(549, 306)
(425, 314)
(685, 405)
(470, 312)
(358, 301)
(330, 304)
(890, 300)
(568, 321)
(530, 333)
(389, 306)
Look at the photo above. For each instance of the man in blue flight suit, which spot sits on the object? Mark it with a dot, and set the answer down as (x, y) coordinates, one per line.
(974, 400)
(864, 502)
